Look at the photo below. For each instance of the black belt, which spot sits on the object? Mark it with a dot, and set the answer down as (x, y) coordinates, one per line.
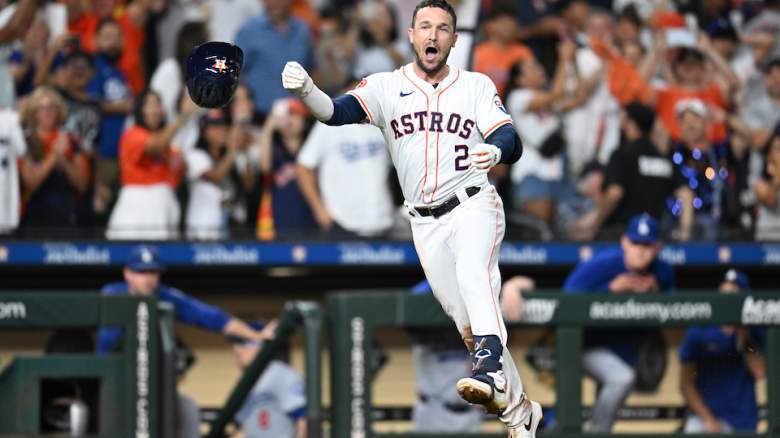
(446, 206)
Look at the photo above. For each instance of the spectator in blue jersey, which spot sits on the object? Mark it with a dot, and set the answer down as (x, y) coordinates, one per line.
(610, 354)
(111, 90)
(720, 366)
(142, 277)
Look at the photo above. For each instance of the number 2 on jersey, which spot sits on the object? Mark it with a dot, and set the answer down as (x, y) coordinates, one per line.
(461, 157)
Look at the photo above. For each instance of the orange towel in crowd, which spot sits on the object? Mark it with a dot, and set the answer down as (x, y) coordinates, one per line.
(625, 82)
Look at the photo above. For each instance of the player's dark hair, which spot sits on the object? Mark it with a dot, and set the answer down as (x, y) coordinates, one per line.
(441, 4)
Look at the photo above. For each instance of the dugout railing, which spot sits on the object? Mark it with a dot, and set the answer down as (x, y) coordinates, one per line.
(354, 316)
(296, 314)
(133, 384)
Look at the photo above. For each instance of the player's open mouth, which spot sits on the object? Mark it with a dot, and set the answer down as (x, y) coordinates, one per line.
(430, 53)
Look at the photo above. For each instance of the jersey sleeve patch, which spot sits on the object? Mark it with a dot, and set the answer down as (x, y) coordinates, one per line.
(497, 102)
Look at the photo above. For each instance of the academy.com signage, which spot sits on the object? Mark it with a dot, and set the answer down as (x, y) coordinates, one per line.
(12, 310)
(760, 311)
(539, 310)
(656, 311)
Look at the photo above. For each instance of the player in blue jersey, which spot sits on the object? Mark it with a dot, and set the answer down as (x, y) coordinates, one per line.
(720, 366)
(610, 354)
(142, 277)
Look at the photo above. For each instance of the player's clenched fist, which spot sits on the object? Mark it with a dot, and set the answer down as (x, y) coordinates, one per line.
(296, 80)
(484, 156)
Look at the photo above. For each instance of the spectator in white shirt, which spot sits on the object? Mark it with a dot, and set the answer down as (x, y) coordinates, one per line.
(213, 175)
(343, 174)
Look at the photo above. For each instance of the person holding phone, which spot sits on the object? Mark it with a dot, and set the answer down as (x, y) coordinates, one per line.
(279, 142)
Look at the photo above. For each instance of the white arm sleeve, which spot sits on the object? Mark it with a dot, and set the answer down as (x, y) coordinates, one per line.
(319, 104)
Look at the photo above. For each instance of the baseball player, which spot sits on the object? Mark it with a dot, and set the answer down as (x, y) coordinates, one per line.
(719, 367)
(446, 128)
(276, 406)
(142, 278)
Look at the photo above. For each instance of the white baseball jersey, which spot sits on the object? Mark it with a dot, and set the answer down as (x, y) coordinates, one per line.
(12, 148)
(429, 130)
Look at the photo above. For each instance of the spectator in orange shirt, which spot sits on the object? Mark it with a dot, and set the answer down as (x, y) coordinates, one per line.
(131, 18)
(499, 52)
(55, 172)
(151, 168)
(692, 79)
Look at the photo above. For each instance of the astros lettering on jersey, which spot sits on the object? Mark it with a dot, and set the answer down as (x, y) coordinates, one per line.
(429, 129)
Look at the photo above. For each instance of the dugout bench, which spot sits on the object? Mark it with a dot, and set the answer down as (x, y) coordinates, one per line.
(354, 316)
(132, 391)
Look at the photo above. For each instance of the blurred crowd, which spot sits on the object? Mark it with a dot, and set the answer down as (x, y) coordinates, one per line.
(624, 106)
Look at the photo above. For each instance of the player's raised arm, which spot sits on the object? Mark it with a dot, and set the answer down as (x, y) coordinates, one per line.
(342, 110)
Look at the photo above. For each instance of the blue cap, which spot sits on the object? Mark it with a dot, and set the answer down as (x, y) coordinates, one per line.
(642, 228)
(737, 277)
(144, 258)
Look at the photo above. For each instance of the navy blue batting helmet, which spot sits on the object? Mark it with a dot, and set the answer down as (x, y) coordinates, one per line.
(213, 69)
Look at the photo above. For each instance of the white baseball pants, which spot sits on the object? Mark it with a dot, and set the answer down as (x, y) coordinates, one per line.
(459, 254)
